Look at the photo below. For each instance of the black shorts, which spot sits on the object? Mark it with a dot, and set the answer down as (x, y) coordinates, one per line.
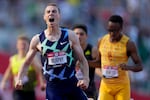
(23, 95)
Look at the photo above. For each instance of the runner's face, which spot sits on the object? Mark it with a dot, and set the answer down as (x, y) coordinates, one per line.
(81, 35)
(22, 45)
(52, 15)
(114, 30)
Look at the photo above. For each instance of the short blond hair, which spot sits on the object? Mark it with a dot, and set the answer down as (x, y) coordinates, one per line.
(23, 37)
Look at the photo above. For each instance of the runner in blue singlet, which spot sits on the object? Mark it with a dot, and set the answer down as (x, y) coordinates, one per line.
(56, 46)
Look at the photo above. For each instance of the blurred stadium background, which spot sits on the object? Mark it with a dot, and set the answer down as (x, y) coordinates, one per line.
(26, 16)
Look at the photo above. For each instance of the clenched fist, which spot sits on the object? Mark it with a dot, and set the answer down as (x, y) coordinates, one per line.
(124, 66)
(83, 84)
(19, 84)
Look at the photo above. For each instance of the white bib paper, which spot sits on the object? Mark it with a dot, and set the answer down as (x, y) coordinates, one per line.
(110, 72)
(57, 58)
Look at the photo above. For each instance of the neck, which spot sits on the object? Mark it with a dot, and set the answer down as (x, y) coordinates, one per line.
(21, 54)
(52, 30)
(117, 39)
(83, 46)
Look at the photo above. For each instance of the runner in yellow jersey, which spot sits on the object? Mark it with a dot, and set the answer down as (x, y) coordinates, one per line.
(115, 49)
(29, 81)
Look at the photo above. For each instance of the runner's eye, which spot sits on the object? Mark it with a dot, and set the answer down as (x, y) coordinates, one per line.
(54, 11)
(48, 11)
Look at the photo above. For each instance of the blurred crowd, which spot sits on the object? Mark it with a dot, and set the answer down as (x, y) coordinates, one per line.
(26, 16)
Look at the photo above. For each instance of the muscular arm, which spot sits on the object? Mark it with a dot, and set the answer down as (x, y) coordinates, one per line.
(132, 52)
(79, 52)
(29, 57)
(96, 54)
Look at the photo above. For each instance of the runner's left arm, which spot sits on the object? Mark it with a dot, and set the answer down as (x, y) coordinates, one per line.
(83, 62)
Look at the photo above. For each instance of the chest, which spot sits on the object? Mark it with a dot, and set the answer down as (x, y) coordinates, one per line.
(113, 50)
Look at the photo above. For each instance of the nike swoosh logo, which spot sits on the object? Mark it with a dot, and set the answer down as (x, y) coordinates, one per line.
(62, 43)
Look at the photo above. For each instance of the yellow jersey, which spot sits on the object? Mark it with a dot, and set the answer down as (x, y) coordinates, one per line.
(113, 54)
(31, 75)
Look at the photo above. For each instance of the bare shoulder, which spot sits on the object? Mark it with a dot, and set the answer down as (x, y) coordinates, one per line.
(72, 36)
(94, 52)
(131, 47)
(130, 43)
(35, 42)
(98, 42)
(11, 58)
(35, 38)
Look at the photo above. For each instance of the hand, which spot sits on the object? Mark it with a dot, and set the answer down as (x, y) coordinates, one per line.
(123, 66)
(83, 84)
(43, 86)
(19, 84)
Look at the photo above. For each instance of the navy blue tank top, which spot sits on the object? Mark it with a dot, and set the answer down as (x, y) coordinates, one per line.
(57, 57)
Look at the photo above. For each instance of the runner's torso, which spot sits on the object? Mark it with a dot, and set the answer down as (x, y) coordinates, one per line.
(113, 54)
(30, 79)
(57, 59)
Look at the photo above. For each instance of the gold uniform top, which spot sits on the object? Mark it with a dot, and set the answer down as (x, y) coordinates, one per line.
(113, 54)
(30, 79)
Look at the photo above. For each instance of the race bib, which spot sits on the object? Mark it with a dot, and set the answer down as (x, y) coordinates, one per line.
(57, 58)
(110, 72)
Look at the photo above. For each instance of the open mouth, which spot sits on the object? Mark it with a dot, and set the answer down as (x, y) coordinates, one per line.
(51, 19)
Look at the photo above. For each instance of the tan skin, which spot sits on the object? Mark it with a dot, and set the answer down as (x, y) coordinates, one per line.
(83, 42)
(53, 33)
(22, 47)
(115, 36)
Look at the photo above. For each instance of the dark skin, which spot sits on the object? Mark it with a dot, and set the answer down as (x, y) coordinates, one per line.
(114, 29)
